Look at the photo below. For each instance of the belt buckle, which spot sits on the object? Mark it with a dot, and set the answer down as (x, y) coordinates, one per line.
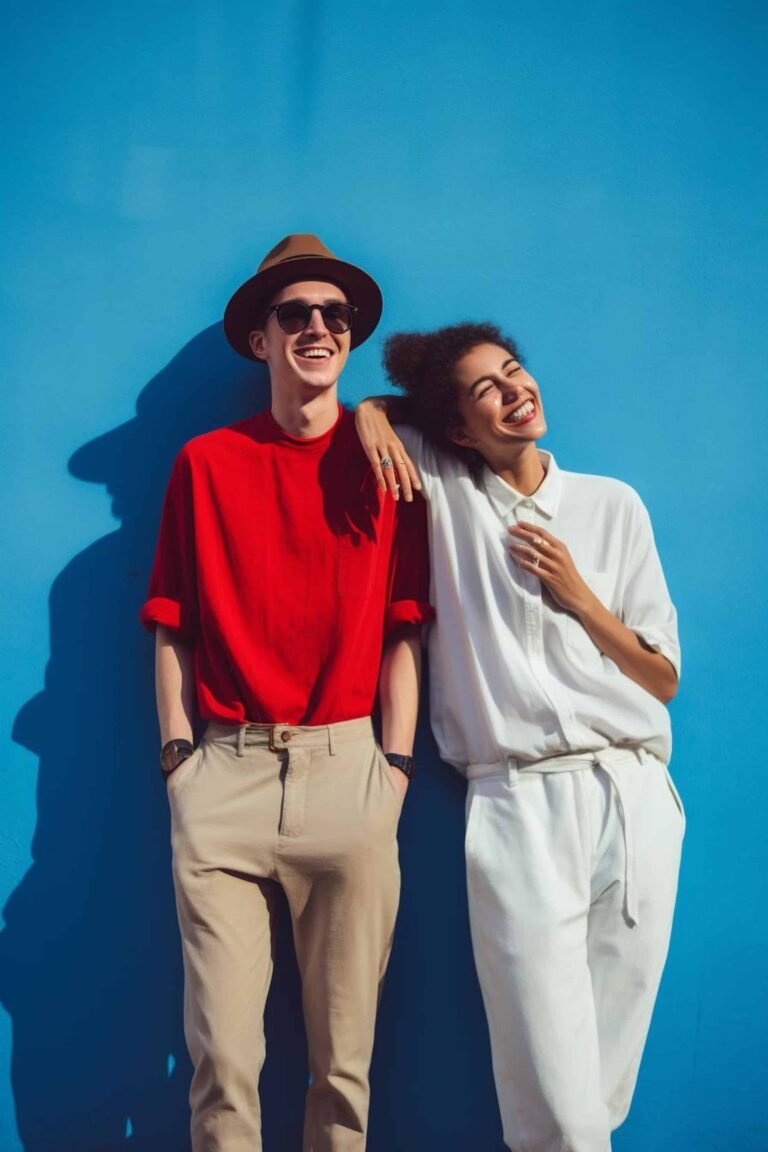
(269, 730)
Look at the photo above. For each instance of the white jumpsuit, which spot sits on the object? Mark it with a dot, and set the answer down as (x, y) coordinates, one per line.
(574, 827)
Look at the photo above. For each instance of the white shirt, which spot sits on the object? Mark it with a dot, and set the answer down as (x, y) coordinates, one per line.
(512, 673)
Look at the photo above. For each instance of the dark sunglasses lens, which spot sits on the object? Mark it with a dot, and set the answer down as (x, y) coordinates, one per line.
(293, 317)
(337, 317)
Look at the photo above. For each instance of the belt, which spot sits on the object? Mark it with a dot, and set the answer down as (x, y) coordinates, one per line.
(282, 737)
(608, 759)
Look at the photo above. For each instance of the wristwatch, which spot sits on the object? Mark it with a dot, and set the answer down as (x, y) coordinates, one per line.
(406, 764)
(174, 753)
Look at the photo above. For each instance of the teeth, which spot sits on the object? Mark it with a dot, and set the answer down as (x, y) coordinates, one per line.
(314, 353)
(521, 412)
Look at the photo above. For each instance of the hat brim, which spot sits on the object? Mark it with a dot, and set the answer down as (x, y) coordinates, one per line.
(243, 311)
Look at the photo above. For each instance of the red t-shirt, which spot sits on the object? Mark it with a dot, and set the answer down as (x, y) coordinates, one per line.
(284, 564)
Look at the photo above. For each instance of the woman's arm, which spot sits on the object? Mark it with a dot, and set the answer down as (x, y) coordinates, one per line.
(539, 552)
(380, 443)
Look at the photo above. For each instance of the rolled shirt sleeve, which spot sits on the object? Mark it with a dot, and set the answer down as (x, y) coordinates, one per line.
(408, 580)
(172, 598)
(646, 604)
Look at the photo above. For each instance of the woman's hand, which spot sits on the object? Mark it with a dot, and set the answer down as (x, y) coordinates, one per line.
(391, 464)
(539, 552)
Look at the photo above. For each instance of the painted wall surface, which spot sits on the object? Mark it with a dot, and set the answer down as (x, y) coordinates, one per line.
(593, 177)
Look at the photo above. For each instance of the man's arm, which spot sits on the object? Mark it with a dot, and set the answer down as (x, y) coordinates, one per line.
(399, 683)
(174, 686)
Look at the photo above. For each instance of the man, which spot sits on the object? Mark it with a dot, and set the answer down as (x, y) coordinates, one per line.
(554, 654)
(280, 575)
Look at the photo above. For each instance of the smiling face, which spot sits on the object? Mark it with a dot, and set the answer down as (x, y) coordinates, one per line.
(499, 404)
(311, 361)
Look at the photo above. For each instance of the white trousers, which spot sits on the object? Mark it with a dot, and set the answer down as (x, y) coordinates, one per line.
(572, 871)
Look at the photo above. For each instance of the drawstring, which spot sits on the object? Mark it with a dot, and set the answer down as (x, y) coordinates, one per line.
(630, 893)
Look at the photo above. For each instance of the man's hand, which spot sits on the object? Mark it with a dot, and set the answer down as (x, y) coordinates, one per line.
(392, 467)
(539, 552)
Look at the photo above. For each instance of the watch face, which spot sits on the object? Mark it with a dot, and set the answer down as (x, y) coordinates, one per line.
(174, 752)
(168, 760)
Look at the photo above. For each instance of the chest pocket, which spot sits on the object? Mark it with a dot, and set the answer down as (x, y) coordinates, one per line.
(577, 638)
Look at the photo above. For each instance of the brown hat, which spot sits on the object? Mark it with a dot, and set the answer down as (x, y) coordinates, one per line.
(300, 257)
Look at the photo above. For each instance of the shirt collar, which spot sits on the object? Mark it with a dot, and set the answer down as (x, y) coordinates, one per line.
(546, 498)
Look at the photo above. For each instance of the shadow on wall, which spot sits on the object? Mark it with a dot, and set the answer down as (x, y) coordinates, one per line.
(90, 965)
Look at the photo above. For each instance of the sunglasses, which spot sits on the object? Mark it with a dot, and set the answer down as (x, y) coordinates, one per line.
(293, 316)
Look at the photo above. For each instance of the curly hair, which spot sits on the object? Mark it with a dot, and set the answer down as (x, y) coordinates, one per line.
(423, 364)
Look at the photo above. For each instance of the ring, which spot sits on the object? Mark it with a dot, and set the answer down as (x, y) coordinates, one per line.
(536, 561)
(539, 541)
(386, 462)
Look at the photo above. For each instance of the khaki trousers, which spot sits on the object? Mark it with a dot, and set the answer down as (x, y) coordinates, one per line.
(314, 810)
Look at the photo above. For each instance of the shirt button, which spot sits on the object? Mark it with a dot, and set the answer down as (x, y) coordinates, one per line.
(527, 503)
(285, 737)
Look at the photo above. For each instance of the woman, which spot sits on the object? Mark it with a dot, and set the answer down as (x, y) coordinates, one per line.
(554, 654)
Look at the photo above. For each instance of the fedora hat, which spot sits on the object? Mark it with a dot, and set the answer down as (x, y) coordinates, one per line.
(300, 257)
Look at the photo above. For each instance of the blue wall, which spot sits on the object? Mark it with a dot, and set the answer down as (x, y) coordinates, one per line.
(593, 177)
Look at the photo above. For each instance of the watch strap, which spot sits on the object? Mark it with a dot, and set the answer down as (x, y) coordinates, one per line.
(406, 764)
